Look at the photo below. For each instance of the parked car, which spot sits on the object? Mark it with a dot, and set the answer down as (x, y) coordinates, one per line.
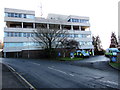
(111, 52)
(81, 53)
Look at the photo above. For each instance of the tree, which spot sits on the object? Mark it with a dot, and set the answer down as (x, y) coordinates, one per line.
(97, 45)
(69, 44)
(114, 42)
(49, 39)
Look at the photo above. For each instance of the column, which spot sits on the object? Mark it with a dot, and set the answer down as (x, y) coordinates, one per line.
(93, 52)
(22, 24)
(33, 25)
(4, 54)
(17, 55)
(47, 26)
(60, 27)
(80, 28)
(71, 27)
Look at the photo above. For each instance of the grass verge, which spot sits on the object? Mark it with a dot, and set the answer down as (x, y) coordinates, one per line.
(115, 65)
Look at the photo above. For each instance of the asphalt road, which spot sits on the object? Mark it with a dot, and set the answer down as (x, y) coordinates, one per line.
(60, 74)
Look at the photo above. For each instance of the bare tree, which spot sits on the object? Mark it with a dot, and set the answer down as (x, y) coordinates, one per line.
(49, 39)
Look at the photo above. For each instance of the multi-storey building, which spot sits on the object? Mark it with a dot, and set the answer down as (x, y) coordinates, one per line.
(20, 24)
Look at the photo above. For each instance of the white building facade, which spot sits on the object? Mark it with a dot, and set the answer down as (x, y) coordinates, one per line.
(20, 24)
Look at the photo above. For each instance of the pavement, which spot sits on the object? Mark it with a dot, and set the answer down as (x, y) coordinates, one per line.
(9, 80)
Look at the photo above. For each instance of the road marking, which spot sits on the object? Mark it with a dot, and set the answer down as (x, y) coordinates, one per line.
(71, 74)
(11, 68)
(31, 87)
(36, 63)
(57, 70)
(60, 71)
(111, 82)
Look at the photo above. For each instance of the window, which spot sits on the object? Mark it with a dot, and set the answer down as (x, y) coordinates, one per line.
(75, 35)
(28, 34)
(24, 15)
(80, 35)
(24, 34)
(20, 44)
(19, 15)
(32, 34)
(30, 16)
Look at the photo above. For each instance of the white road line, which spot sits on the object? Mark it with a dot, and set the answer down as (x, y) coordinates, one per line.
(60, 71)
(11, 68)
(57, 70)
(36, 63)
(111, 82)
(31, 87)
(71, 74)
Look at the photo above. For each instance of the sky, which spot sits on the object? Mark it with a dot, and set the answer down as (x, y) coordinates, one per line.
(103, 14)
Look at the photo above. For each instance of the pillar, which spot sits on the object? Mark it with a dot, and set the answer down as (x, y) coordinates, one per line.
(22, 24)
(80, 28)
(4, 54)
(60, 27)
(93, 52)
(33, 25)
(47, 26)
(71, 27)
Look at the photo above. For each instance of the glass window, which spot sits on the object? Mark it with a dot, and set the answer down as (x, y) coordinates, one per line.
(75, 35)
(16, 15)
(24, 34)
(16, 34)
(80, 35)
(9, 14)
(28, 34)
(32, 34)
(20, 16)
(12, 14)
(20, 44)
(30, 16)
(24, 15)
(19, 34)
(5, 34)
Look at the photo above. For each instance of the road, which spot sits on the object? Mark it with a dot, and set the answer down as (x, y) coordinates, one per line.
(60, 74)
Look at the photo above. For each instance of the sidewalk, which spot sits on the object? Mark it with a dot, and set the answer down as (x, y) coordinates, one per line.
(9, 80)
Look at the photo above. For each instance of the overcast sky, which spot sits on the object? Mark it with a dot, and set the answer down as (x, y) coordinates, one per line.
(103, 14)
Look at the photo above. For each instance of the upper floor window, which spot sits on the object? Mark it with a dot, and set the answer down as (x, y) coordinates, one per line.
(78, 20)
(19, 15)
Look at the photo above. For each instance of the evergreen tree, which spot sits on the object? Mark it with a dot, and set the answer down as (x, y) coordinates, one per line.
(97, 45)
(114, 43)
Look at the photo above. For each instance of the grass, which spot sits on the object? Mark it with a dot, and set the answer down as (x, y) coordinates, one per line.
(116, 65)
(69, 59)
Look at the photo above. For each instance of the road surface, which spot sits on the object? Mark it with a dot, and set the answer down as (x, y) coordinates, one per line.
(59, 74)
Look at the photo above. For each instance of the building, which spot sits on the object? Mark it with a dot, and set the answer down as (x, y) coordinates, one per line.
(119, 24)
(18, 32)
